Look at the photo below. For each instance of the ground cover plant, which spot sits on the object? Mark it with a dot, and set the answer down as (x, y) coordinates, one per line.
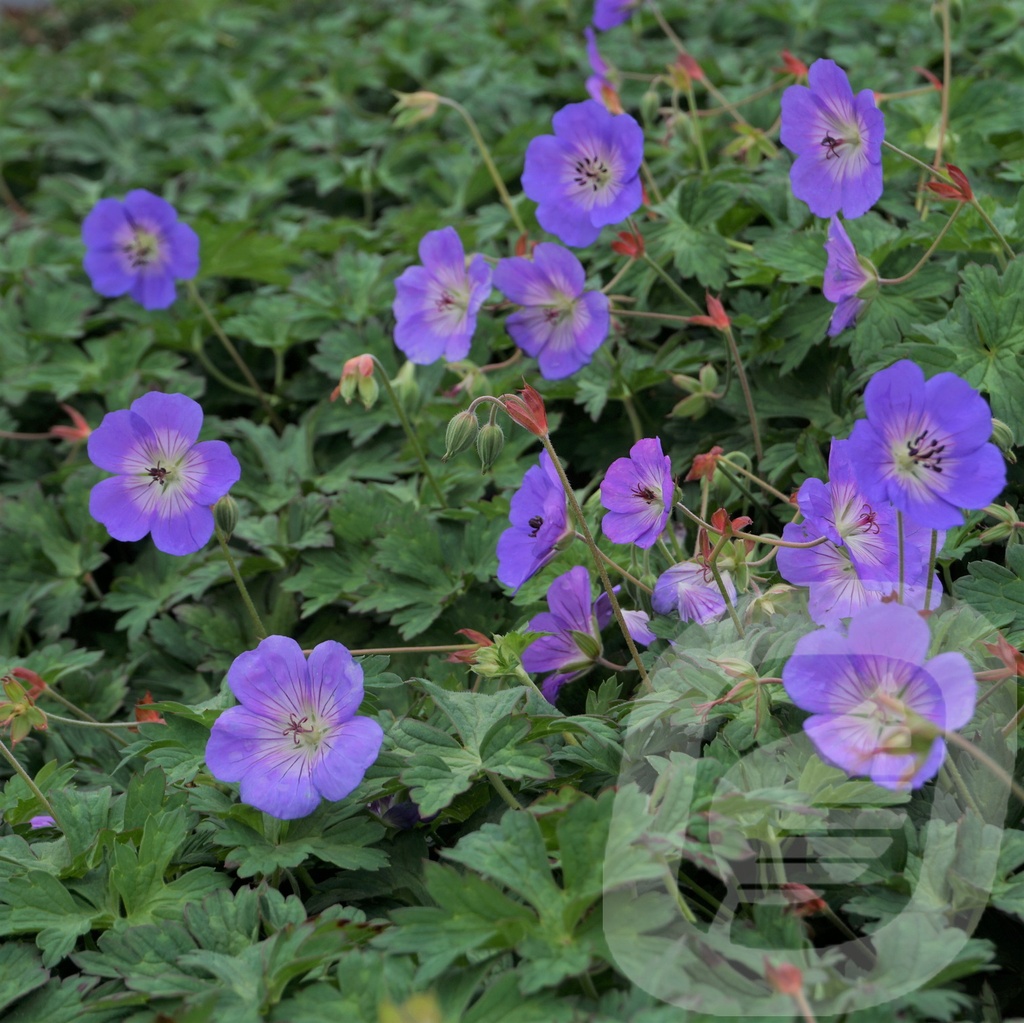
(511, 512)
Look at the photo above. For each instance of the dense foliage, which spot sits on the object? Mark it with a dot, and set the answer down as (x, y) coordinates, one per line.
(653, 847)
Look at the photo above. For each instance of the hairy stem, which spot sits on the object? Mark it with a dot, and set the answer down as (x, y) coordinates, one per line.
(261, 631)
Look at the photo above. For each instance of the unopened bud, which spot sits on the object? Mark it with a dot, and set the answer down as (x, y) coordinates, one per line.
(588, 645)
(405, 387)
(1002, 437)
(708, 378)
(489, 442)
(784, 978)
(527, 409)
(461, 433)
(413, 107)
(690, 408)
(650, 102)
(369, 390)
(225, 514)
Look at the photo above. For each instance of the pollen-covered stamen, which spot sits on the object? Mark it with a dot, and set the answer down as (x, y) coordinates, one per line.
(592, 172)
(926, 451)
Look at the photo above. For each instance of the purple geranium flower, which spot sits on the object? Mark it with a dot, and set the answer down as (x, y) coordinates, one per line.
(637, 491)
(140, 247)
(845, 278)
(602, 85)
(609, 13)
(925, 446)
(296, 737)
(436, 305)
(166, 482)
(873, 695)
(587, 174)
(575, 624)
(42, 820)
(560, 324)
(859, 563)
(540, 525)
(690, 589)
(837, 138)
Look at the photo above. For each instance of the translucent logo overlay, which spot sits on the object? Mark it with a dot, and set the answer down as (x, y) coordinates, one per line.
(735, 849)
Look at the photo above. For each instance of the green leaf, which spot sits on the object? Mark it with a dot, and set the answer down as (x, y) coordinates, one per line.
(21, 971)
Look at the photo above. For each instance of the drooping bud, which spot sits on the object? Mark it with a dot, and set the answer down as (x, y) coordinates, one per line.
(405, 387)
(144, 714)
(462, 431)
(803, 901)
(629, 243)
(960, 190)
(784, 978)
(716, 317)
(80, 431)
(225, 514)
(704, 465)
(792, 65)
(469, 656)
(1002, 437)
(528, 410)
(413, 107)
(489, 443)
(932, 78)
(1007, 523)
(353, 374)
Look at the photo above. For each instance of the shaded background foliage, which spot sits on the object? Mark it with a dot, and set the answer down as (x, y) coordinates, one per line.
(268, 125)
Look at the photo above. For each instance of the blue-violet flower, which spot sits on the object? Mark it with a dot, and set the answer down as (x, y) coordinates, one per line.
(689, 589)
(846, 278)
(837, 138)
(587, 174)
(436, 304)
(540, 525)
(560, 324)
(875, 700)
(138, 246)
(575, 624)
(637, 492)
(296, 737)
(925, 446)
(166, 483)
(609, 13)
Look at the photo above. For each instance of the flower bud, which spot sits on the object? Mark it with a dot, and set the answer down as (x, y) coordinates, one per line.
(369, 390)
(405, 387)
(413, 107)
(489, 442)
(462, 431)
(1002, 437)
(225, 514)
(708, 378)
(588, 645)
(527, 409)
(784, 978)
(355, 370)
(690, 408)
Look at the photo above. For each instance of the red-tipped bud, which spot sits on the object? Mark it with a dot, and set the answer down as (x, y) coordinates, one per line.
(523, 245)
(142, 713)
(629, 243)
(716, 317)
(960, 190)
(704, 465)
(792, 65)
(722, 524)
(469, 656)
(35, 684)
(1011, 657)
(528, 411)
(610, 97)
(784, 978)
(935, 83)
(690, 66)
(80, 431)
(355, 377)
(803, 901)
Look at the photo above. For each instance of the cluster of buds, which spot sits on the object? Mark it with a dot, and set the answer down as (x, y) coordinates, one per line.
(357, 379)
(701, 391)
(526, 409)
(1008, 524)
(18, 706)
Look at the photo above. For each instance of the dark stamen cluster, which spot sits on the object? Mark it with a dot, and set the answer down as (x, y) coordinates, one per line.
(926, 452)
(832, 146)
(867, 522)
(644, 492)
(592, 171)
(535, 523)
